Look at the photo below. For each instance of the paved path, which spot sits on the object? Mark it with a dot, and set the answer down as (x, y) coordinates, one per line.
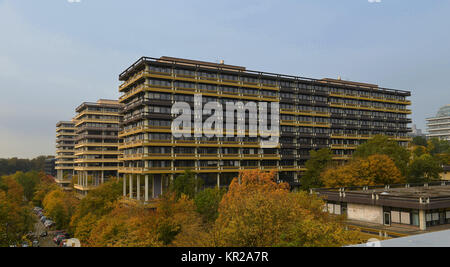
(39, 228)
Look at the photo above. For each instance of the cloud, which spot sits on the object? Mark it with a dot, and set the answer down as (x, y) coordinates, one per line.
(374, 1)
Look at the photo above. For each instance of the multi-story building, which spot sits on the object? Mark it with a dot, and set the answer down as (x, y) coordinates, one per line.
(439, 126)
(49, 166)
(314, 114)
(96, 148)
(65, 142)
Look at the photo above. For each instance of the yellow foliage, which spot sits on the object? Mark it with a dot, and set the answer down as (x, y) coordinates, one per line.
(375, 170)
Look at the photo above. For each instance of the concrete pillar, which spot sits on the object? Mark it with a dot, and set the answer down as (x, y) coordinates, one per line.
(131, 186)
(103, 177)
(422, 220)
(218, 180)
(124, 185)
(146, 188)
(138, 193)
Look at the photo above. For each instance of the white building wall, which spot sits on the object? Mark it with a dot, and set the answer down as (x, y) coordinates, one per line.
(365, 213)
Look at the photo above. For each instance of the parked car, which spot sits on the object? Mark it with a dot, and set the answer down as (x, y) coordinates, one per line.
(58, 239)
(36, 244)
(43, 219)
(44, 234)
(49, 223)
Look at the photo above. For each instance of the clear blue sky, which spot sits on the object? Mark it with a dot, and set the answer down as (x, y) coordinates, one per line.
(55, 54)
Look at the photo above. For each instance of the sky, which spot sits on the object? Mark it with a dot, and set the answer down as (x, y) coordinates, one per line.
(56, 54)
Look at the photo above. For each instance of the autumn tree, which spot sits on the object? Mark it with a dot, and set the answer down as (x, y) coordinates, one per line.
(373, 170)
(98, 202)
(60, 206)
(15, 213)
(319, 160)
(382, 145)
(259, 212)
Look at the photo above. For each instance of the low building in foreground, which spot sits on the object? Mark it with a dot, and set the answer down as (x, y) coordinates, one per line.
(401, 206)
(445, 175)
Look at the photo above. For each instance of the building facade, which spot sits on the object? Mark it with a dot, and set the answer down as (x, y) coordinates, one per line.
(420, 207)
(49, 167)
(65, 142)
(314, 114)
(96, 148)
(439, 126)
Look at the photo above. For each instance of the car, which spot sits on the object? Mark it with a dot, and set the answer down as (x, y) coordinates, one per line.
(59, 239)
(25, 245)
(44, 234)
(43, 219)
(36, 244)
(49, 223)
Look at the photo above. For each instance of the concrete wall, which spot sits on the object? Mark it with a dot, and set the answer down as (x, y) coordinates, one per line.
(365, 213)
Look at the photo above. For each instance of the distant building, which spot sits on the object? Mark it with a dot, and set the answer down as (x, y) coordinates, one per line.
(402, 206)
(96, 146)
(49, 167)
(439, 126)
(416, 131)
(65, 142)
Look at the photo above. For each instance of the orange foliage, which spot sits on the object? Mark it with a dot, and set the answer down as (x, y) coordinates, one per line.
(375, 170)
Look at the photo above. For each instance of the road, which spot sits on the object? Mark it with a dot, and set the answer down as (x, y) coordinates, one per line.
(39, 228)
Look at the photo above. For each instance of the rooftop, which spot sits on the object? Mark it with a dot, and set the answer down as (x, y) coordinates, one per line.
(434, 239)
(416, 196)
(139, 65)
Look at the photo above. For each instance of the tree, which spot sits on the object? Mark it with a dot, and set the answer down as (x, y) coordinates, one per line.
(186, 184)
(425, 168)
(319, 160)
(60, 206)
(15, 213)
(258, 212)
(381, 145)
(98, 202)
(420, 141)
(374, 170)
(207, 203)
(437, 146)
(29, 182)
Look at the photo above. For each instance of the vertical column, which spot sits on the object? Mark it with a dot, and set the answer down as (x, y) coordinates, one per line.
(146, 188)
(422, 220)
(124, 185)
(218, 180)
(138, 187)
(103, 177)
(131, 186)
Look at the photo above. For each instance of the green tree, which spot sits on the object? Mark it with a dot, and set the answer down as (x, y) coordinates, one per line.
(420, 141)
(317, 163)
(437, 146)
(186, 184)
(425, 168)
(382, 145)
(207, 203)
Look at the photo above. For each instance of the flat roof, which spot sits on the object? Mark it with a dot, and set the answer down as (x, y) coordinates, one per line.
(222, 67)
(434, 239)
(434, 195)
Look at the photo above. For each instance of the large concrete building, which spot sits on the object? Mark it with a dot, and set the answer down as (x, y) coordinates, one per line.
(314, 114)
(439, 126)
(49, 167)
(96, 148)
(407, 207)
(65, 142)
